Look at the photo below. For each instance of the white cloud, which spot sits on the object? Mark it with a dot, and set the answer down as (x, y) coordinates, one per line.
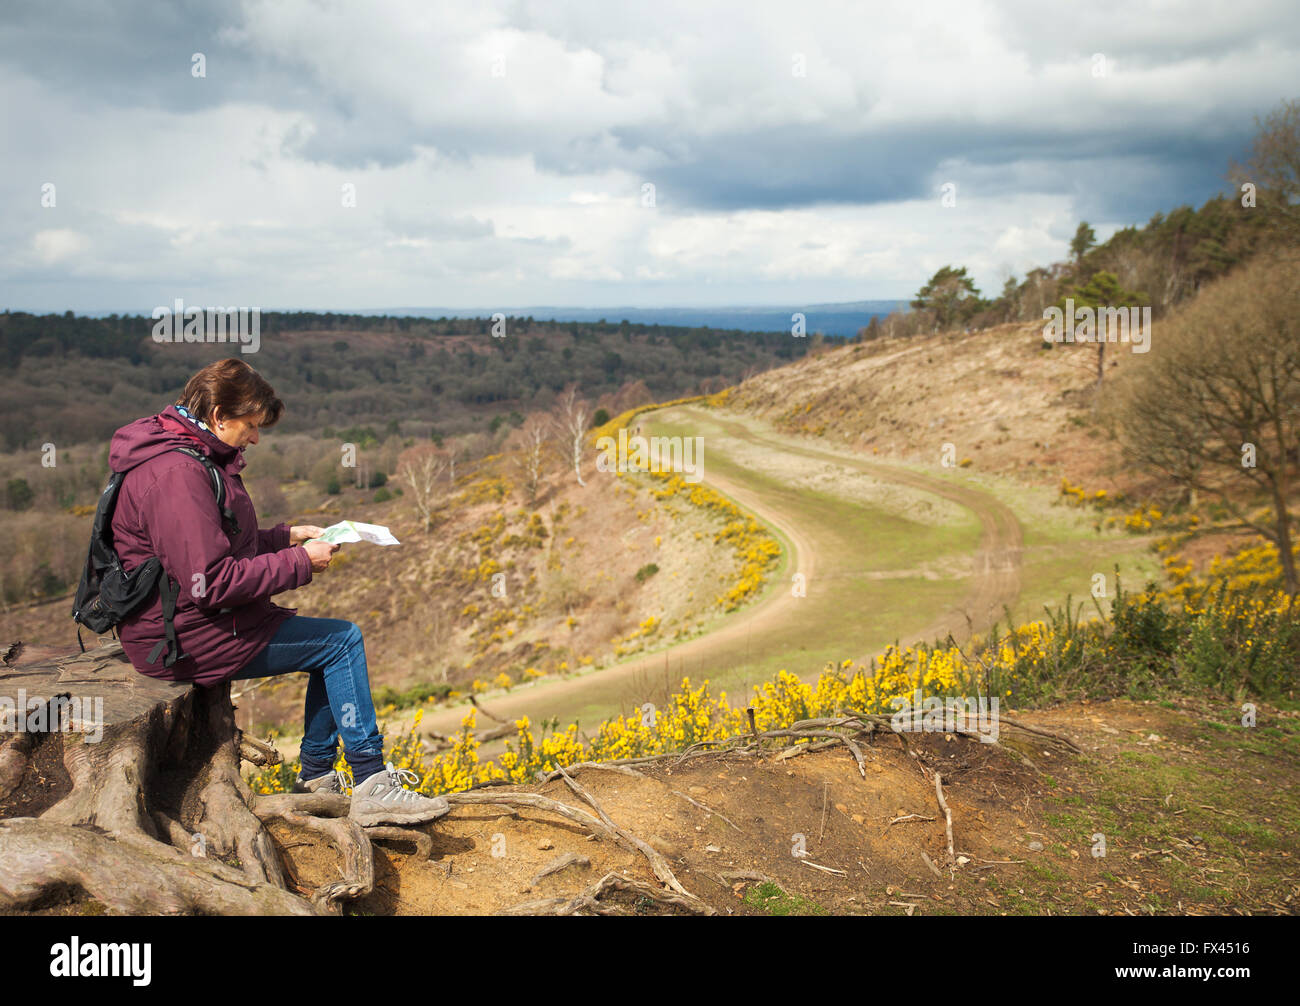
(524, 188)
(59, 245)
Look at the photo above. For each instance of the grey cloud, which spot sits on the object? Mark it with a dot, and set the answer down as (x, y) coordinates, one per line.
(416, 222)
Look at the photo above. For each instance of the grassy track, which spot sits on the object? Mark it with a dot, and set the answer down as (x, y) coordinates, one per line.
(875, 572)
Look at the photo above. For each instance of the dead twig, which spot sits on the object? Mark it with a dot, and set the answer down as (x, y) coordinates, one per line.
(802, 749)
(730, 876)
(709, 810)
(909, 817)
(577, 766)
(947, 814)
(657, 862)
(824, 869)
(830, 735)
(562, 862)
(588, 901)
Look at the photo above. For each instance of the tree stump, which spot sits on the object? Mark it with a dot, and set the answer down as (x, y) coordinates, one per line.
(132, 795)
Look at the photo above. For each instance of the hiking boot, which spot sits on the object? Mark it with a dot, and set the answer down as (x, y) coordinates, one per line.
(330, 782)
(383, 799)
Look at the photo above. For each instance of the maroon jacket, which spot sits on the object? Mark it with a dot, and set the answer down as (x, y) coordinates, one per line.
(166, 507)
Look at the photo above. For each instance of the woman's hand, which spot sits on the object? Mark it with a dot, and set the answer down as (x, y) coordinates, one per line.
(304, 532)
(320, 553)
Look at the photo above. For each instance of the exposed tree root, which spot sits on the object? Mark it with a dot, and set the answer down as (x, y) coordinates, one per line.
(39, 859)
(561, 862)
(155, 817)
(602, 826)
(625, 838)
(392, 833)
(155, 800)
(14, 752)
(588, 901)
(607, 766)
(348, 837)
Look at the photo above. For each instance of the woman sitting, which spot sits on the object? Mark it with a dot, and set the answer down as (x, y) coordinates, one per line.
(226, 627)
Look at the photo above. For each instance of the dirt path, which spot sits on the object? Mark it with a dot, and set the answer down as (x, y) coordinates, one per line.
(559, 697)
(996, 574)
(995, 582)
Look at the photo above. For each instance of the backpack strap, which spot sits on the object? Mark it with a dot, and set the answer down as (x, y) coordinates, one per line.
(218, 486)
(166, 590)
(169, 595)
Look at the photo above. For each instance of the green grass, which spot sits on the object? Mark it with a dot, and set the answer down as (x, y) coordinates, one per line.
(852, 614)
(848, 613)
(1216, 824)
(775, 901)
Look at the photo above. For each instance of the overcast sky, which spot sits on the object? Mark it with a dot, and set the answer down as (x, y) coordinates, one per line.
(501, 153)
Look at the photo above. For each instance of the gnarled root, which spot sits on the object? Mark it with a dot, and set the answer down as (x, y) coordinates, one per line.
(588, 901)
(348, 837)
(152, 802)
(39, 859)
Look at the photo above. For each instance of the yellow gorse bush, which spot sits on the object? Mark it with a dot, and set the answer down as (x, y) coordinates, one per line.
(692, 715)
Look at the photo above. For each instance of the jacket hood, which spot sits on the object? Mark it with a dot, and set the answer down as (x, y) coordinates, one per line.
(146, 438)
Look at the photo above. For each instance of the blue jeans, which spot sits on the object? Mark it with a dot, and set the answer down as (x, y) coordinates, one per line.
(331, 650)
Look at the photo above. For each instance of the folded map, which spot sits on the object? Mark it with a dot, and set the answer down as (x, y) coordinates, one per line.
(354, 530)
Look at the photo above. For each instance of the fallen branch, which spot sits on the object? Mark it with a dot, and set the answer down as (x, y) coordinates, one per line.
(802, 749)
(947, 815)
(483, 709)
(588, 901)
(557, 864)
(832, 736)
(824, 869)
(708, 810)
(657, 862)
(537, 802)
(604, 766)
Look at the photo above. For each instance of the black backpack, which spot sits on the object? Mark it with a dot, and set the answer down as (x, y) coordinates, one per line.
(108, 593)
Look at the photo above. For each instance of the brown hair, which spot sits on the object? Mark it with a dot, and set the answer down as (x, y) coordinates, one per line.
(234, 387)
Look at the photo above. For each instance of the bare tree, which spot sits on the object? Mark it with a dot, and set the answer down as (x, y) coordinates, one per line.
(532, 440)
(419, 467)
(1215, 404)
(571, 422)
(452, 446)
(1274, 169)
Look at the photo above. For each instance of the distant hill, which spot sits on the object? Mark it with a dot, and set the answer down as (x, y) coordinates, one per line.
(71, 378)
(841, 320)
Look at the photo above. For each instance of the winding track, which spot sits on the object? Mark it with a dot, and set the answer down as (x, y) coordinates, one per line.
(995, 579)
(994, 582)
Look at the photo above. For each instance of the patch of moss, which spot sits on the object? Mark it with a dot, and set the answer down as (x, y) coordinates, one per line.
(772, 899)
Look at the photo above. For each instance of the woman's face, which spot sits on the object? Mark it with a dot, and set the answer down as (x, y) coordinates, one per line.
(236, 432)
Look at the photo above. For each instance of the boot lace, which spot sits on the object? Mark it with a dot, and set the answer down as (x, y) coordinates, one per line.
(396, 778)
